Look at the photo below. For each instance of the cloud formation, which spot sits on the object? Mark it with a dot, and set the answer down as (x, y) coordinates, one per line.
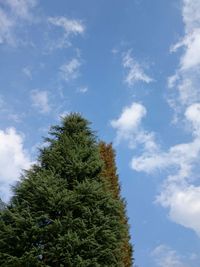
(180, 161)
(6, 28)
(40, 100)
(129, 127)
(164, 256)
(129, 120)
(181, 191)
(70, 27)
(70, 70)
(135, 71)
(12, 13)
(185, 81)
(178, 193)
(83, 89)
(13, 158)
(16, 15)
(21, 8)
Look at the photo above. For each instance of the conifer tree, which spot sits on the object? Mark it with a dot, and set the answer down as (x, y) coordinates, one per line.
(61, 214)
(111, 180)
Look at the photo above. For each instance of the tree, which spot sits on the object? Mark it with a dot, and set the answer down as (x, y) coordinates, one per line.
(61, 214)
(111, 180)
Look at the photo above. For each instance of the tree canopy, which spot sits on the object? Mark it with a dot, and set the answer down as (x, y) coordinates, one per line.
(61, 214)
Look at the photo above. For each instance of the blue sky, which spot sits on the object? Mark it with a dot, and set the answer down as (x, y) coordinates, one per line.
(130, 67)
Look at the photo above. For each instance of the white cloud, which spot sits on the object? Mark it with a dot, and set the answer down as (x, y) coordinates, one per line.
(6, 28)
(192, 114)
(178, 193)
(40, 100)
(172, 80)
(129, 127)
(16, 15)
(191, 43)
(149, 162)
(183, 202)
(83, 89)
(21, 8)
(164, 256)
(191, 58)
(13, 158)
(181, 161)
(186, 79)
(181, 156)
(70, 70)
(12, 14)
(135, 72)
(71, 27)
(129, 119)
(191, 15)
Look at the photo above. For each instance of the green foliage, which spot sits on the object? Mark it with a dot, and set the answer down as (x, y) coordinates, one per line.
(61, 214)
(73, 152)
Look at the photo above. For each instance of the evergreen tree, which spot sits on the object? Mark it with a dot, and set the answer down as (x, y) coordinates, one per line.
(61, 214)
(111, 180)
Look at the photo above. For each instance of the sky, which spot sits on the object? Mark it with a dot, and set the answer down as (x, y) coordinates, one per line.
(132, 68)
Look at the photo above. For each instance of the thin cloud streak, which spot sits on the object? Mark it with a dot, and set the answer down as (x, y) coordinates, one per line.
(135, 72)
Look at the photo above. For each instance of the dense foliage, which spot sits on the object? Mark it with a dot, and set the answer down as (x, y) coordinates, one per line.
(111, 179)
(61, 214)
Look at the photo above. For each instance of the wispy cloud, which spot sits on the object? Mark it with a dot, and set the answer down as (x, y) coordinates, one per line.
(183, 197)
(16, 15)
(13, 158)
(83, 89)
(12, 14)
(135, 72)
(21, 8)
(186, 78)
(70, 27)
(70, 70)
(40, 100)
(6, 28)
(164, 256)
(8, 111)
